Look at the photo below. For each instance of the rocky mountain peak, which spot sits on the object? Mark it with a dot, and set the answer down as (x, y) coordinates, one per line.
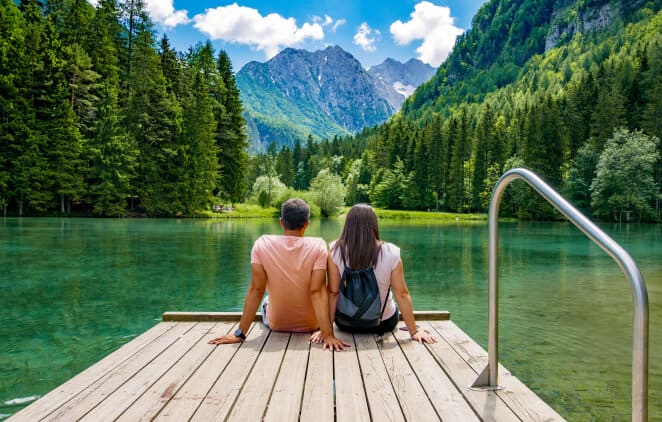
(324, 93)
(399, 80)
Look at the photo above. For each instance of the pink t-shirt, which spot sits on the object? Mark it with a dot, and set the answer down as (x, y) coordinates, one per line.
(289, 262)
(389, 257)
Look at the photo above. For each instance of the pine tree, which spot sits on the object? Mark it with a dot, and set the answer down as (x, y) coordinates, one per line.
(198, 175)
(483, 153)
(232, 140)
(297, 152)
(46, 160)
(12, 104)
(111, 151)
(578, 187)
(171, 68)
(436, 159)
(458, 133)
(132, 16)
(58, 122)
(609, 113)
(420, 194)
(285, 166)
(153, 119)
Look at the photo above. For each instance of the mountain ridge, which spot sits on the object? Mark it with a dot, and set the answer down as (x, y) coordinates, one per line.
(324, 93)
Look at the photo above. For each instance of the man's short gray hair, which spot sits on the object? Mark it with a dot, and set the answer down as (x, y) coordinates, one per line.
(295, 213)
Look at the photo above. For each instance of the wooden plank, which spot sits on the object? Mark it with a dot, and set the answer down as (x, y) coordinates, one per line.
(187, 400)
(219, 400)
(160, 393)
(351, 402)
(115, 404)
(517, 396)
(285, 402)
(79, 405)
(60, 395)
(251, 403)
(382, 401)
(486, 403)
(414, 402)
(441, 391)
(207, 316)
(234, 316)
(318, 405)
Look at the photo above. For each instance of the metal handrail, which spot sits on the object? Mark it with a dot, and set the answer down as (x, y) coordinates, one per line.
(488, 379)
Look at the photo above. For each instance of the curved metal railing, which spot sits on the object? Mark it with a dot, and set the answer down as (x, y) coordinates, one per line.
(488, 379)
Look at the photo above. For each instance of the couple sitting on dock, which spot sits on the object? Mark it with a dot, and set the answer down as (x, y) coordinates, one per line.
(293, 270)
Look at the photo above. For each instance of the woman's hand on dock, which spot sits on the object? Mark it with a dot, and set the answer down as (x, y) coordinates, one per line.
(331, 342)
(334, 344)
(423, 336)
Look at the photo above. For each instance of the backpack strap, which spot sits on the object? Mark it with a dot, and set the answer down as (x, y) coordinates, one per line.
(388, 293)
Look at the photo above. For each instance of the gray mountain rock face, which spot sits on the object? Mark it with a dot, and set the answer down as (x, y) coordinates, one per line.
(323, 93)
(400, 79)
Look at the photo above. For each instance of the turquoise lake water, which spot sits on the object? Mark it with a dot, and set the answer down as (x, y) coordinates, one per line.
(74, 290)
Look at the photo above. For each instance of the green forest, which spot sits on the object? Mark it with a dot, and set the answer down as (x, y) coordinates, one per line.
(586, 115)
(98, 117)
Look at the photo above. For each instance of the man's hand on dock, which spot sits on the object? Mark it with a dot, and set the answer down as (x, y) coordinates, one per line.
(226, 339)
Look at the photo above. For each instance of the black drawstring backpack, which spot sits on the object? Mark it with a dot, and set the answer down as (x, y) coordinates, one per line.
(359, 304)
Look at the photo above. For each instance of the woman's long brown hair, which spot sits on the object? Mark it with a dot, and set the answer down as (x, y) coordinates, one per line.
(359, 243)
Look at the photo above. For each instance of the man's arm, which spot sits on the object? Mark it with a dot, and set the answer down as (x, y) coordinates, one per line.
(254, 296)
(332, 288)
(321, 306)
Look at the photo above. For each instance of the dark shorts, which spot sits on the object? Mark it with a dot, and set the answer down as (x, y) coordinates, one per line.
(385, 326)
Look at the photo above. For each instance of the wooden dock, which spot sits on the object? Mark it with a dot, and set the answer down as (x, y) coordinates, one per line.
(171, 373)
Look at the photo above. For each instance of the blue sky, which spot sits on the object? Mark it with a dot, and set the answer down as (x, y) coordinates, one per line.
(371, 30)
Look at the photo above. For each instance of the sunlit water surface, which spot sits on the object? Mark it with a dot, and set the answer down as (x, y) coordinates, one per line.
(74, 290)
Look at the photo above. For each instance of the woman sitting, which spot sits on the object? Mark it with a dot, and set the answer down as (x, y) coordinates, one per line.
(359, 248)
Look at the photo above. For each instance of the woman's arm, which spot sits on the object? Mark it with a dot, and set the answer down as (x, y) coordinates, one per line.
(333, 285)
(401, 293)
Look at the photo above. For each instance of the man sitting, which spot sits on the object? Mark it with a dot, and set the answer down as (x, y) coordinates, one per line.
(292, 269)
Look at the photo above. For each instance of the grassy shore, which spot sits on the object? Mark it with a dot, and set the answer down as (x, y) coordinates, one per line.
(255, 211)
(243, 211)
(427, 216)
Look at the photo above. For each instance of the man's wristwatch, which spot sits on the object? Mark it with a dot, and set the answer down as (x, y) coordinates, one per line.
(240, 334)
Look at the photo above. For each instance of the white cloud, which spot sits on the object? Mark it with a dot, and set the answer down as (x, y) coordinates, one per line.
(432, 24)
(328, 20)
(163, 12)
(244, 25)
(339, 22)
(362, 37)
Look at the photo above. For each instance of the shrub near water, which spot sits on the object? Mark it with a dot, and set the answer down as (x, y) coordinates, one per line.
(328, 192)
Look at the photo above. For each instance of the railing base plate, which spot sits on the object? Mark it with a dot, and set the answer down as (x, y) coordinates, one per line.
(482, 383)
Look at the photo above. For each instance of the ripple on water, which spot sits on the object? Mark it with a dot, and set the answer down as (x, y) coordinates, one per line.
(21, 400)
